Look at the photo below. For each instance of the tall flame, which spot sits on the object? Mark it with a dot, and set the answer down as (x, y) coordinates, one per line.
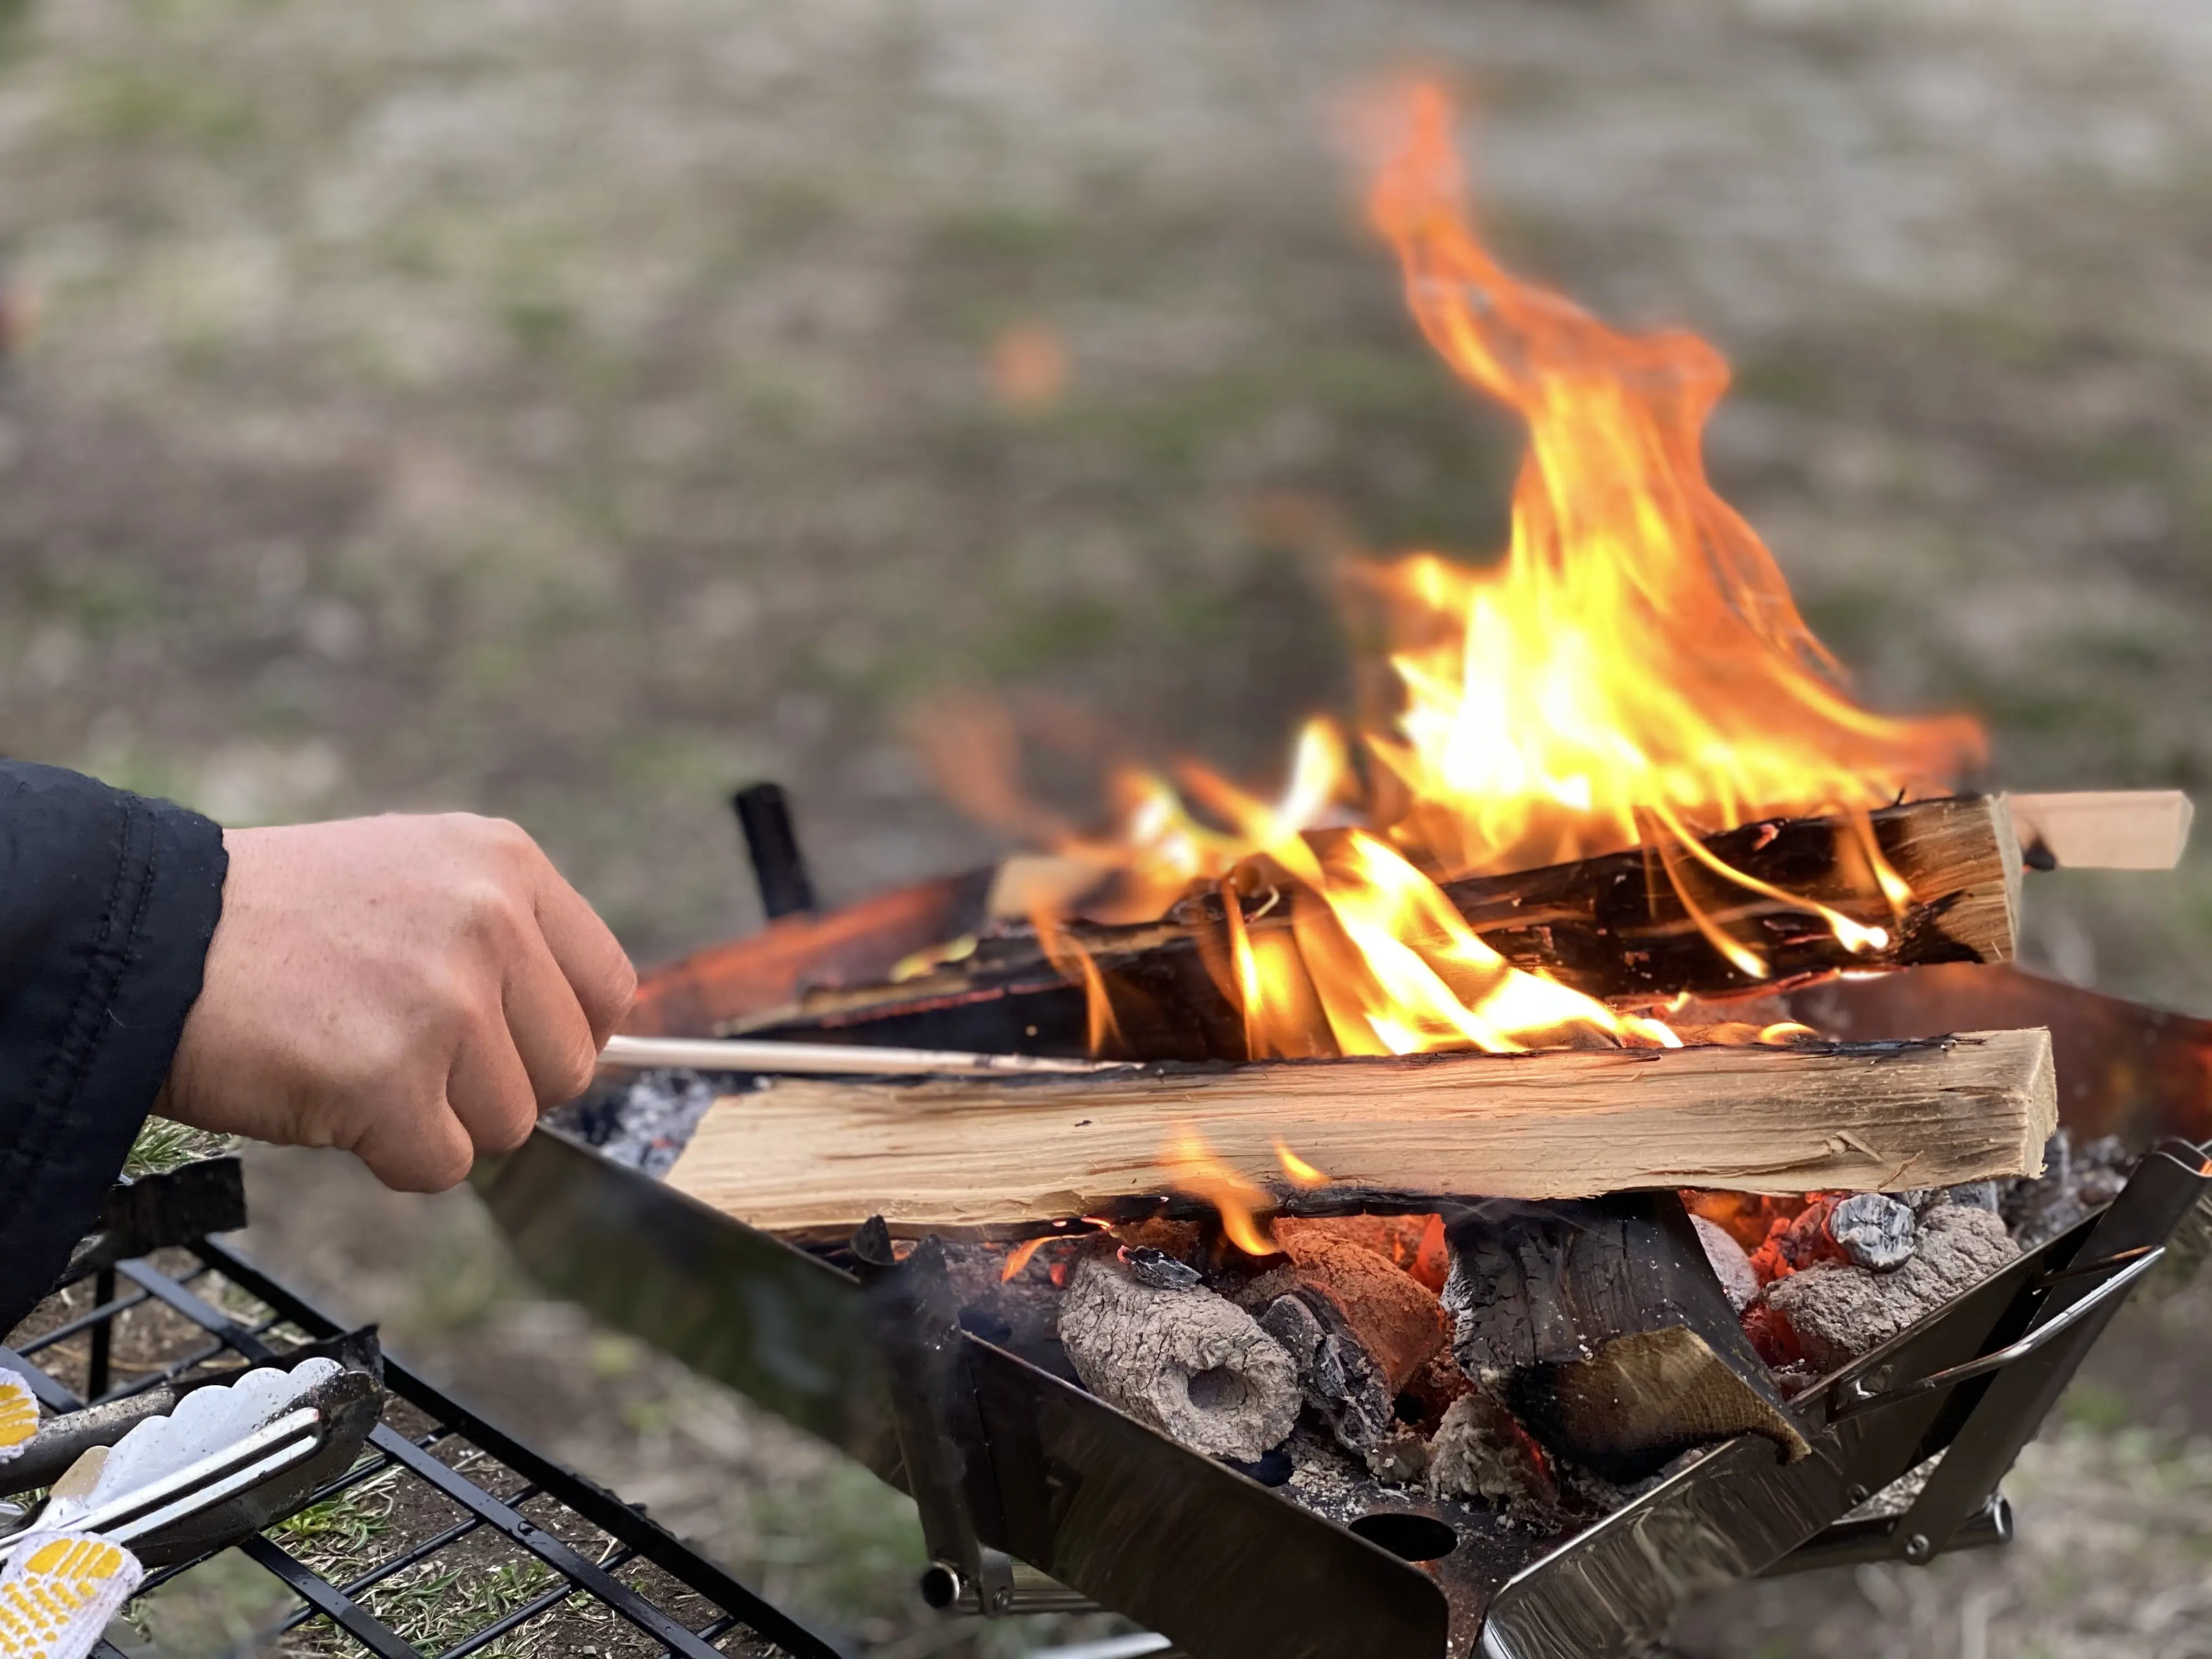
(1632, 670)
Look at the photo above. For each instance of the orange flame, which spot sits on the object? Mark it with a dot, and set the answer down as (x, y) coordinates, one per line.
(1019, 1257)
(1194, 1170)
(1632, 671)
(1296, 1171)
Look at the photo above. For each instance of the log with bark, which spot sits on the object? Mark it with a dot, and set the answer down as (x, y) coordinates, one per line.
(1615, 927)
(1000, 1156)
(1602, 1325)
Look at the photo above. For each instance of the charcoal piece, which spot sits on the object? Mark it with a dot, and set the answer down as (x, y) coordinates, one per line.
(1835, 1312)
(1336, 1374)
(1396, 1319)
(1401, 1456)
(1429, 1393)
(1188, 1363)
(1873, 1231)
(2075, 1180)
(1622, 1348)
(1972, 1195)
(1739, 1280)
(1159, 1269)
(1478, 1451)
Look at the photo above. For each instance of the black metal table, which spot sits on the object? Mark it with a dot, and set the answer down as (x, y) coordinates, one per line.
(568, 1543)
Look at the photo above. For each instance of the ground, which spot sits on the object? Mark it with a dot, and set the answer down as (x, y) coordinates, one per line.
(572, 410)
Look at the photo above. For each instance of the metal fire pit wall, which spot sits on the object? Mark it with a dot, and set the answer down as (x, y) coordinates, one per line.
(1031, 1466)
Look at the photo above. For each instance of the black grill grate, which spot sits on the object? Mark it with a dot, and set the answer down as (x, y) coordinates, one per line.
(480, 1510)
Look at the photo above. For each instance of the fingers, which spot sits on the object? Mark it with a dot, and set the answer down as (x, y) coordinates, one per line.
(423, 1151)
(593, 962)
(548, 1026)
(490, 1089)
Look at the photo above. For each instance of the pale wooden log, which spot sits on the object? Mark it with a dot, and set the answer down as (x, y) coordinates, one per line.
(2102, 829)
(985, 1157)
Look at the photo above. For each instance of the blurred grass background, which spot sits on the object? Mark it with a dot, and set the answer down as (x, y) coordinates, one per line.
(571, 410)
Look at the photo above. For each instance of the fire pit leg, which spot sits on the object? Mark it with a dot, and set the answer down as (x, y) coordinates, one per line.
(2172, 1179)
(940, 1430)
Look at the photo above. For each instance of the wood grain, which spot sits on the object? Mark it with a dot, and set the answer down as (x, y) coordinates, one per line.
(980, 1157)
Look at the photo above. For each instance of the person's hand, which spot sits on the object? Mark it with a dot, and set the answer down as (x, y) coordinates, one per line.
(413, 989)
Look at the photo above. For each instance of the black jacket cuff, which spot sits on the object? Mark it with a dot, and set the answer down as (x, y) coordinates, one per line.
(107, 903)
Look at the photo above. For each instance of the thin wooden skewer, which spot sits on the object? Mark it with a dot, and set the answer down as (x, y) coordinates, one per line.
(834, 1058)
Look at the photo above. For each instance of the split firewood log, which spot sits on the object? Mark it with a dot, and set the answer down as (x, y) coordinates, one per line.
(980, 1154)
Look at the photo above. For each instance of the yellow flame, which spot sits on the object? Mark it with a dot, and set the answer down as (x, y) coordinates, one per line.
(1296, 1171)
(1194, 1170)
(1631, 671)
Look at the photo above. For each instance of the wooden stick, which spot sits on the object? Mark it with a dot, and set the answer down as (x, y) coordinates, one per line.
(835, 1059)
(2108, 829)
(995, 1156)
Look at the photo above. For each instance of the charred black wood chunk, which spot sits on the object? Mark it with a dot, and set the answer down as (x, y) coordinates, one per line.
(1604, 1329)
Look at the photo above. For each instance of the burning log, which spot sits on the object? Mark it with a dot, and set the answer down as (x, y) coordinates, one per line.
(987, 1155)
(1616, 1342)
(1191, 1363)
(1616, 928)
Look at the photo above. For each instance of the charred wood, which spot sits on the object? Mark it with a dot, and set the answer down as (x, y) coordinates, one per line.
(1615, 927)
(1611, 1338)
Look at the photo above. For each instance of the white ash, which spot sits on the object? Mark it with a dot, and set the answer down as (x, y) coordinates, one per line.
(1738, 1278)
(2075, 1180)
(648, 1124)
(1479, 1452)
(1839, 1312)
(1191, 1363)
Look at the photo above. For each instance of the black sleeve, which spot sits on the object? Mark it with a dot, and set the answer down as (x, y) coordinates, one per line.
(107, 901)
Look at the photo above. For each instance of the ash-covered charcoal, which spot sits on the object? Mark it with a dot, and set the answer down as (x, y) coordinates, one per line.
(2075, 1180)
(1833, 1311)
(1159, 1269)
(648, 1124)
(1021, 1314)
(1731, 1266)
(1337, 1375)
(1873, 1231)
(1191, 1363)
(1360, 1328)
(1478, 1451)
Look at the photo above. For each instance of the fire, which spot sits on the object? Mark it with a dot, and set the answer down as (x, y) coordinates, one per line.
(1632, 671)
(1194, 1169)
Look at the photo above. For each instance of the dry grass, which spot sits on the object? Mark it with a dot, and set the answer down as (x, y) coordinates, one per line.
(570, 410)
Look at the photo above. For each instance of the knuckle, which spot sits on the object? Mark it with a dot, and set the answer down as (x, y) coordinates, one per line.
(572, 1075)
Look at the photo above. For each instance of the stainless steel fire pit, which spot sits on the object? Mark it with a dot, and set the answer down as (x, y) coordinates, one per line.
(1009, 1463)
